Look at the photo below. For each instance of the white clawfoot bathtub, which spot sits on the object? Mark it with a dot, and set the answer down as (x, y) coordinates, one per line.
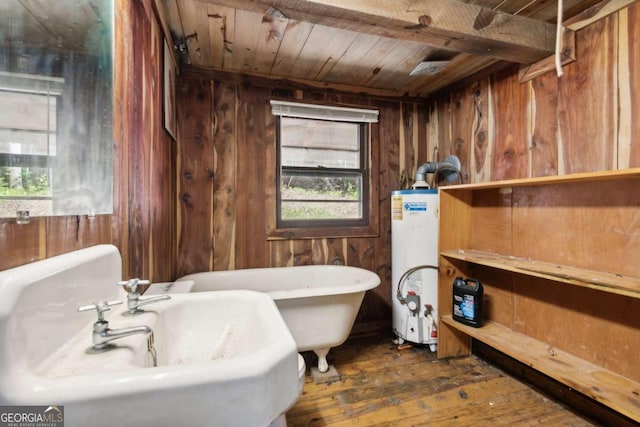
(319, 303)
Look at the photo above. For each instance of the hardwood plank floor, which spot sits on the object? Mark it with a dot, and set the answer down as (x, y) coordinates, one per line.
(383, 386)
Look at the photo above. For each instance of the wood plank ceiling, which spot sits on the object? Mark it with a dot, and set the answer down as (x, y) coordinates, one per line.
(368, 46)
(60, 26)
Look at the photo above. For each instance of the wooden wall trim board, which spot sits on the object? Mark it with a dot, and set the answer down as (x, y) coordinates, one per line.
(597, 12)
(567, 56)
(293, 84)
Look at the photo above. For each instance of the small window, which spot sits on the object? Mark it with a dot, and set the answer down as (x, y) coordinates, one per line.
(28, 122)
(323, 166)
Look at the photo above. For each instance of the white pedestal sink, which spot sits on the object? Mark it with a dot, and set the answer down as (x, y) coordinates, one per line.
(223, 358)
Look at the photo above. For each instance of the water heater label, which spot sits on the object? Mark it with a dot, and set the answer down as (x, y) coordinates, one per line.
(396, 207)
(415, 207)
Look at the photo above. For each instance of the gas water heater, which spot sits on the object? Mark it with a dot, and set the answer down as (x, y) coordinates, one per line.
(414, 255)
(414, 261)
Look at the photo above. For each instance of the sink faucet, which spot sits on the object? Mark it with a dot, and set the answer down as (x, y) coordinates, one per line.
(102, 335)
(134, 300)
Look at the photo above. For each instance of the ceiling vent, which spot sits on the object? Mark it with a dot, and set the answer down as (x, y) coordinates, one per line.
(429, 68)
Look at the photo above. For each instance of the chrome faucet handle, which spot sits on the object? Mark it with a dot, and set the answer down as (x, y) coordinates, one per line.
(100, 307)
(133, 284)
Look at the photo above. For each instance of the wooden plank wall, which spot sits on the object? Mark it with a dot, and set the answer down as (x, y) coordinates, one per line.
(498, 127)
(582, 122)
(146, 217)
(227, 180)
(143, 222)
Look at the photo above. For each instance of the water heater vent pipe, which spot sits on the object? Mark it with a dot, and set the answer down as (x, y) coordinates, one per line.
(449, 169)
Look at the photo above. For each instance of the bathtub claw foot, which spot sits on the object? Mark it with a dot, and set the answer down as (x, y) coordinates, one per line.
(323, 365)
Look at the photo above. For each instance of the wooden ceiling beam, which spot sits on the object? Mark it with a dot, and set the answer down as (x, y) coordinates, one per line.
(596, 12)
(443, 24)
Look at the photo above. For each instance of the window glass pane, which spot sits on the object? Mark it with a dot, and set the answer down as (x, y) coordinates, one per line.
(321, 196)
(31, 111)
(27, 147)
(320, 210)
(313, 143)
(17, 141)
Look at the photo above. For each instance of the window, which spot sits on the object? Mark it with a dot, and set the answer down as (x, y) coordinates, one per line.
(323, 169)
(27, 142)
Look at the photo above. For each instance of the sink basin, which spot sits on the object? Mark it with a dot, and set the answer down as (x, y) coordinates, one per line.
(223, 358)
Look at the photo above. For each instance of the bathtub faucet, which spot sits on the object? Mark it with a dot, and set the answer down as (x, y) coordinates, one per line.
(102, 334)
(134, 300)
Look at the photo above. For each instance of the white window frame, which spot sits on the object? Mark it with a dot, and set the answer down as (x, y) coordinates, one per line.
(362, 117)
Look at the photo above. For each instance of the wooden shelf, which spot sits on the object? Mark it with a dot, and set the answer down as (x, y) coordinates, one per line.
(605, 282)
(620, 174)
(604, 386)
(558, 260)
